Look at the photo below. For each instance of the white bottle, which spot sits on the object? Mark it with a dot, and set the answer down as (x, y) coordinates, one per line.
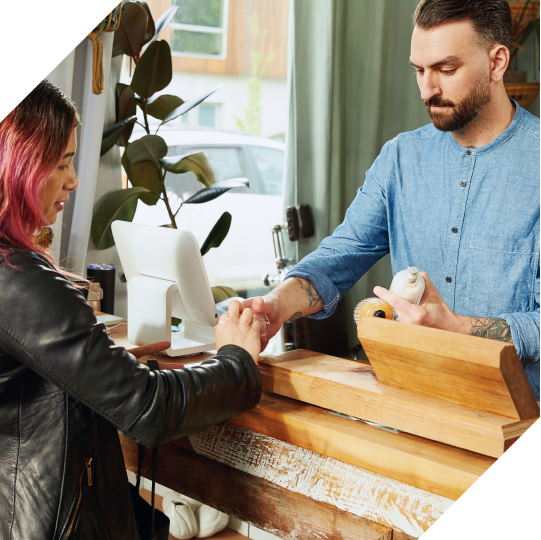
(409, 285)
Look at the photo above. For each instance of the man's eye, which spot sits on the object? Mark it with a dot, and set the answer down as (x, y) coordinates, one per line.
(418, 72)
(448, 71)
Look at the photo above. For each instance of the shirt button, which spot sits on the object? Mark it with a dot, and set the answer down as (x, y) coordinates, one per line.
(448, 279)
(462, 184)
(468, 152)
(454, 229)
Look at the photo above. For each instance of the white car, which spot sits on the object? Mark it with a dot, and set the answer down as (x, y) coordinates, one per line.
(247, 252)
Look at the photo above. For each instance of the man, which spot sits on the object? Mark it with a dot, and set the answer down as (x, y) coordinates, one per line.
(458, 198)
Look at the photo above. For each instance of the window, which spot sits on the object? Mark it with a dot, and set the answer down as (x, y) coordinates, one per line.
(207, 115)
(199, 28)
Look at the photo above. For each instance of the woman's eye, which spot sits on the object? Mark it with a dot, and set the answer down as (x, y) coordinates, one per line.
(63, 167)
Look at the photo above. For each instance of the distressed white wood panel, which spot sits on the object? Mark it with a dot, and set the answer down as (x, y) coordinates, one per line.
(360, 492)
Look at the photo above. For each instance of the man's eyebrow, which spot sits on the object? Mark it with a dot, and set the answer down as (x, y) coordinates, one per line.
(69, 154)
(441, 62)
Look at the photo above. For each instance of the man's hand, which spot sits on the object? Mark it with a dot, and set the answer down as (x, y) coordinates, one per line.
(235, 328)
(151, 348)
(432, 311)
(269, 307)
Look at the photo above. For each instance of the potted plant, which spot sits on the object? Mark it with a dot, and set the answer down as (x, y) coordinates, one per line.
(525, 17)
(145, 159)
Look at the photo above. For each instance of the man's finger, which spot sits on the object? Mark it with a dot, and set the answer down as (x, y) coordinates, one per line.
(394, 300)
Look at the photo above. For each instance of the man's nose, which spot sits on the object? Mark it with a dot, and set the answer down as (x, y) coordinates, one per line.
(429, 86)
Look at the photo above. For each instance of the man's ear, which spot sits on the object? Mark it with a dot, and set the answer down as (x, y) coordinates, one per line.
(499, 61)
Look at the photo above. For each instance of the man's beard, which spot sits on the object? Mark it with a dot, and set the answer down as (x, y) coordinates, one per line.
(463, 112)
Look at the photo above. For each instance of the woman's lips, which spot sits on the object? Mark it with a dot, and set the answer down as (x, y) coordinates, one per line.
(59, 206)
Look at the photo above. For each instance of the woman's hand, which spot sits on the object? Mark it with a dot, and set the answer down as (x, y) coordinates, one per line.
(151, 348)
(264, 305)
(240, 330)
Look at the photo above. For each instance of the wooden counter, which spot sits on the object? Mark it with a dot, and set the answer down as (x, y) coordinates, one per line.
(300, 472)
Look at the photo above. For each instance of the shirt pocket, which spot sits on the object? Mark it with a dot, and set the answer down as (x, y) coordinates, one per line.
(501, 275)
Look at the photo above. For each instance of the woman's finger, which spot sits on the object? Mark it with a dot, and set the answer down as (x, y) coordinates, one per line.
(233, 308)
(247, 317)
(151, 348)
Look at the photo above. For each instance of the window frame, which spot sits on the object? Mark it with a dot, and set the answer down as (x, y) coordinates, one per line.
(205, 30)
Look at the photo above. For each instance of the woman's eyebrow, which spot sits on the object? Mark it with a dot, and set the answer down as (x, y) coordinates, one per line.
(69, 154)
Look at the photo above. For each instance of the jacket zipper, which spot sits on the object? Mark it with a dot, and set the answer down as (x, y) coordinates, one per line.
(88, 467)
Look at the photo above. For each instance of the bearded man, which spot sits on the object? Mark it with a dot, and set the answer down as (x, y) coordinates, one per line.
(458, 198)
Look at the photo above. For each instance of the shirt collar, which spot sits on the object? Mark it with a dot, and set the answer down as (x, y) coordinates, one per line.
(498, 141)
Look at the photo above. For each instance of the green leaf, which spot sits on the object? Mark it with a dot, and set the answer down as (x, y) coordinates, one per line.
(162, 105)
(163, 22)
(209, 193)
(147, 148)
(126, 106)
(143, 175)
(154, 70)
(217, 234)
(130, 36)
(151, 28)
(222, 293)
(116, 205)
(188, 105)
(196, 163)
(111, 136)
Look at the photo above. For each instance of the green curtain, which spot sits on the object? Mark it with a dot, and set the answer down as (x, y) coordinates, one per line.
(351, 90)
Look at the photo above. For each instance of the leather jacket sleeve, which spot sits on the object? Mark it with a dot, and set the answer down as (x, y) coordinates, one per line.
(46, 324)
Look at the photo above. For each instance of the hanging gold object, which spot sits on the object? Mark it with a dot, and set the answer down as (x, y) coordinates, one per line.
(109, 24)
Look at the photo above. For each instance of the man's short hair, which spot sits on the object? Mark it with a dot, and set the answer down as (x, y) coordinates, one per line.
(491, 19)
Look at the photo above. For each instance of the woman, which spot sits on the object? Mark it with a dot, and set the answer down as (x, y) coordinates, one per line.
(65, 389)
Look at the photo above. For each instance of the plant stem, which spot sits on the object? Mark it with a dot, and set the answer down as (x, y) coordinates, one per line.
(165, 198)
(147, 128)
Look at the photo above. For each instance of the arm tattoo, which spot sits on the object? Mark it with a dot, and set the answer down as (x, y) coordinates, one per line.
(310, 290)
(497, 329)
(297, 315)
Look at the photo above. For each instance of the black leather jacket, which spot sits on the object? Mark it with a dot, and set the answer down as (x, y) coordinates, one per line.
(65, 390)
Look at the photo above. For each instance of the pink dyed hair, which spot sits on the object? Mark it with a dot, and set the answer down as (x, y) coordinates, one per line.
(33, 140)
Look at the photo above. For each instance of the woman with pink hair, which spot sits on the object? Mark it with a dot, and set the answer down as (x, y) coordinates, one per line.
(65, 388)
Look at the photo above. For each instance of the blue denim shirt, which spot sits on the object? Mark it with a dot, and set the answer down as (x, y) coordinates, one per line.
(469, 218)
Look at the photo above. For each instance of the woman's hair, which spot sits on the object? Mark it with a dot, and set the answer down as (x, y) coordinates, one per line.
(33, 140)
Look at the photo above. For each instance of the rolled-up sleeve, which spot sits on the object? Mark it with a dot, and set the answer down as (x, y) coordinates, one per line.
(354, 247)
(525, 332)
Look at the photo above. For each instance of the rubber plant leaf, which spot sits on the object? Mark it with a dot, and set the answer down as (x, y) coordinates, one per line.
(147, 148)
(143, 175)
(154, 70)
(217, 234)
(160, 106)
(116, 205)
(130, 35)
(188, 105)
(163, 22)
(126, 106)
(208, 194)
(196, 163)
(111, 135)
(151, 27)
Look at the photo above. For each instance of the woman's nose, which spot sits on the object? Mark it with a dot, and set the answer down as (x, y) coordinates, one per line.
(72, 183)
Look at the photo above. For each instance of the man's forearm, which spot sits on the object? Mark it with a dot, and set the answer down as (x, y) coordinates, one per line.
(297, 298)
(486, 327)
